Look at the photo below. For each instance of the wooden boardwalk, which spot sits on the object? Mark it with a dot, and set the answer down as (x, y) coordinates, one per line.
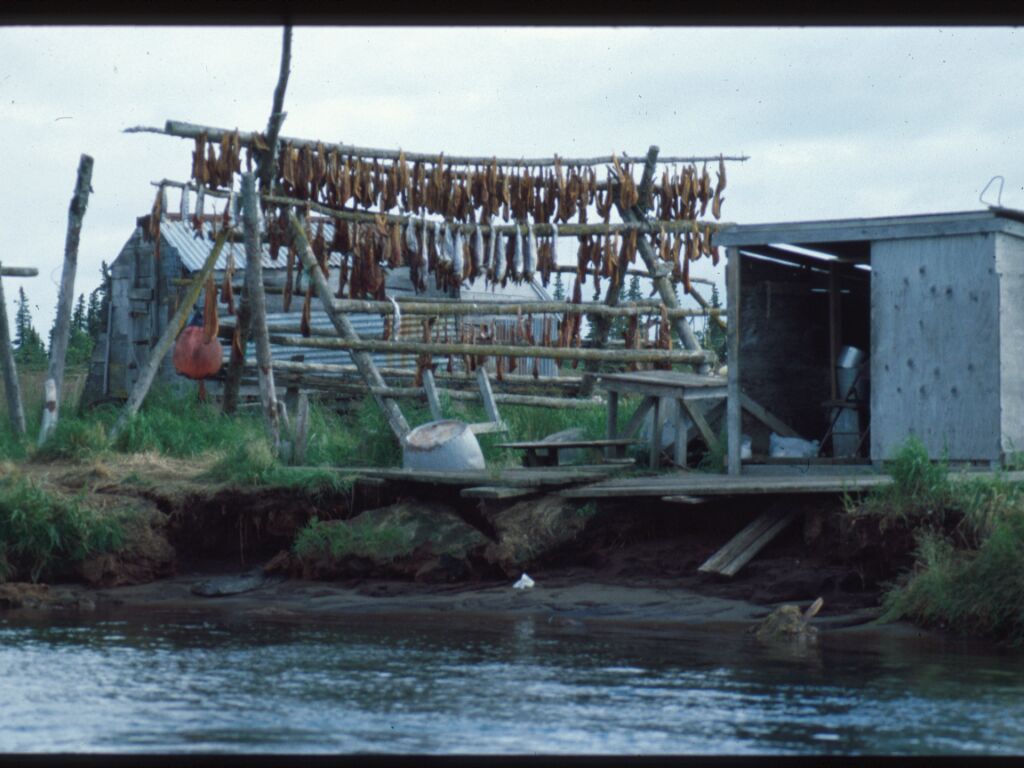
(606, 481)
(695, 485)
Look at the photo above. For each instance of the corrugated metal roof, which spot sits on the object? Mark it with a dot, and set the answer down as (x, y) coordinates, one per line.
(194, 249)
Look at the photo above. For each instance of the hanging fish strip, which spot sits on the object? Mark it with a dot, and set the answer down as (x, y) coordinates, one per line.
(527, 196)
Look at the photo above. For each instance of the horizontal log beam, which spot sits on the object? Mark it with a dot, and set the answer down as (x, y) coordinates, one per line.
(18, 272)
(431, 308)
(671, 356)
(185, 130)
(353, 388)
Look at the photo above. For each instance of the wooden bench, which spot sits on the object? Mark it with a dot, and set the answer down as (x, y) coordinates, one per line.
(541, 454)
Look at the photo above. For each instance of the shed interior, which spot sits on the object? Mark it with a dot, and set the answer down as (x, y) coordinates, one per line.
(800, 305)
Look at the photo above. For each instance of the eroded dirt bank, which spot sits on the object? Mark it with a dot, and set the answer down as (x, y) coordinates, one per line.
(607, 562)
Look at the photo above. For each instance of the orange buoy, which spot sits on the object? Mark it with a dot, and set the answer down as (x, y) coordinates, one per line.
(194, 355)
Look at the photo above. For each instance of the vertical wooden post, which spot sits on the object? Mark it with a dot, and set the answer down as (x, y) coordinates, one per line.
(679, 457)
(834, 328)
(12, 389)
(734, 407)
(258, 308)
(345, 329)
(171, 331)
(66, 301)
(656, 434)
(430, 388)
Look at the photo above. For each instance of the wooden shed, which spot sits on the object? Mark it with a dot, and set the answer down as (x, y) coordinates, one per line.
(146, 286)
(932, 303)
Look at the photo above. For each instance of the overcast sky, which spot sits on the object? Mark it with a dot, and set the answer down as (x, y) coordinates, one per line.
(838, 122)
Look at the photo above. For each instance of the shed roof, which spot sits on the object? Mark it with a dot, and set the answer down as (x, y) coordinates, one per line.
(193, 248)
(819, 235)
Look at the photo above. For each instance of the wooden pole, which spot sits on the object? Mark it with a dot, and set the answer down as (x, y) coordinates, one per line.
(187, 130)
(356, 389)
(495, 350)
(19, 272)
(734, 407)
(66, 300)
(258, 308)
(12, 389)
(267, 166)
(174, 326)
(437, 308)
(662, 283)
(347, 332)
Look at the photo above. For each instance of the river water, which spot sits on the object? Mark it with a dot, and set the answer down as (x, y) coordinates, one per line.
(517, 686)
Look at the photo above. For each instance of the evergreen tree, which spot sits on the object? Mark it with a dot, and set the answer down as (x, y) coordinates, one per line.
(28, 345)
(713, 337)
(559, 287)
(99, 300)
(78, 316)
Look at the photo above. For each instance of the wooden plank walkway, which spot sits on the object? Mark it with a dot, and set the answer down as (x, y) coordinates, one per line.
(696, 484)
(507, 477)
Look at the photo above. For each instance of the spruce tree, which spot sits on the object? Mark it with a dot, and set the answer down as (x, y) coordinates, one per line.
(29, 350)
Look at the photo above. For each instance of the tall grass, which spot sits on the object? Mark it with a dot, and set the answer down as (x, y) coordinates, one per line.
(41, 533)
(967, 575)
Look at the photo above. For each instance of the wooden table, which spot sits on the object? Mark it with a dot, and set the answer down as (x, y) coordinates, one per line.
(542, 454)
(685, 388)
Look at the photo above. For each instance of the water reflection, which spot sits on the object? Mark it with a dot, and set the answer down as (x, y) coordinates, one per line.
(489, 687)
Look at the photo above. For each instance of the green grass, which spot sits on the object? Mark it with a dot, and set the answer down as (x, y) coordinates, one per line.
(253, 463)
(41, 534)
(318, 540)
(967, 575)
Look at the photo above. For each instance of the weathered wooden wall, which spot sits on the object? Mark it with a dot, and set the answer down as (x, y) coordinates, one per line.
(1010, 270)
(784, 344)
(935, 358)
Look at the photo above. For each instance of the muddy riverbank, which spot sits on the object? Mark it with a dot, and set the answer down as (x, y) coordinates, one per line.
(607, 563)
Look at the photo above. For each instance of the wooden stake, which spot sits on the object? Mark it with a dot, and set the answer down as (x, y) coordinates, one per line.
(12, 389)
(66, 301)
(174, 326)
